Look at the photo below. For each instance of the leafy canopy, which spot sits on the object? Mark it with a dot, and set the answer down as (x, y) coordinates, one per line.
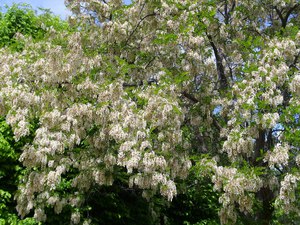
(154, 88)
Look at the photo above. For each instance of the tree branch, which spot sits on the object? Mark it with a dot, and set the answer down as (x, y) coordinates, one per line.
(220, 67)
(136, 27)
(285, 18)
(190, 97)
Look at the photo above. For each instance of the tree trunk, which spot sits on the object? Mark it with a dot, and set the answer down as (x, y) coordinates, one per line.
(264, 216)
(265, 194)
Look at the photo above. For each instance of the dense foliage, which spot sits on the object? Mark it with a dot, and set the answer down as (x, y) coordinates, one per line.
(22, 19)
(140, 98)
(10, 173)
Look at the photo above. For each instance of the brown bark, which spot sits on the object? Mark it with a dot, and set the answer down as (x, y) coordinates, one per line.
(219, 64)
(265, 215)
(265, 194)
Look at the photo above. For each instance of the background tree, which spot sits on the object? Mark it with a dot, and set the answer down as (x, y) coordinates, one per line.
(22, 19)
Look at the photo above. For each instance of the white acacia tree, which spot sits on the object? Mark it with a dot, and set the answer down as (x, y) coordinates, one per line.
(143, 86)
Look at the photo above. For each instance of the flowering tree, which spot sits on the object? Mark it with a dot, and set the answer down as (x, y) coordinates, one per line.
(19, 18)
(142, 87)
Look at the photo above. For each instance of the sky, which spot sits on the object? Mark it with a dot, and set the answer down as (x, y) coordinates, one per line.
(56, 6)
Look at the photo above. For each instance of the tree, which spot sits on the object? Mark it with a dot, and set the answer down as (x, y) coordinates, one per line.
(18, 19)
(22, 19)
(155, 88)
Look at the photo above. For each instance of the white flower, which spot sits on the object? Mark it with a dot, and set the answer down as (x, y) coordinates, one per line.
(75, 218)
(279, 155)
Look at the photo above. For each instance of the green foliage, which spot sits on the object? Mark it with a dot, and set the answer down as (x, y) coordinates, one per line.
(18, 19)
(8, 166)
(119, 205)
(11, 172)
(22, 19)
(196, 205)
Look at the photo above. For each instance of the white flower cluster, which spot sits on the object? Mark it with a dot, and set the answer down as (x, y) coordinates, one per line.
(154, 181)
(237, 189)
(279, 155)
(235, 146)
(295, 84)
(268, 120)
(287, 194)
(94, 114)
